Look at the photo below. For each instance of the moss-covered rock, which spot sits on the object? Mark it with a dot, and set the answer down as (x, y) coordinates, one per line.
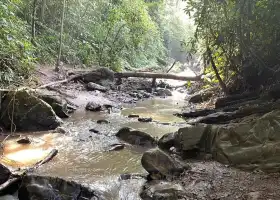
(25, 112)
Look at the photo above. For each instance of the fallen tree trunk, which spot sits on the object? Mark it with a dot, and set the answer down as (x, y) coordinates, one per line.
(157, 75)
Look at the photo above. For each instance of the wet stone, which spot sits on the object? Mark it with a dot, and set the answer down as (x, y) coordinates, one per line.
(60, 130)
(103, 121)
(142, 119)
(92, 106)
(136, 137)
(133, 116)
(23, 140)
(94, 130)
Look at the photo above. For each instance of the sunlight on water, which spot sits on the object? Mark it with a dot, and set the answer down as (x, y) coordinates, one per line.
(23, 155)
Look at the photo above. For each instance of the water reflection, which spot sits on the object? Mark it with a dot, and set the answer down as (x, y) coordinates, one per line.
(83, 156)
(23, 155)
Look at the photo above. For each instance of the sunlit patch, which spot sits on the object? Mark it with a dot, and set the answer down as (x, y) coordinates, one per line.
(23, 155)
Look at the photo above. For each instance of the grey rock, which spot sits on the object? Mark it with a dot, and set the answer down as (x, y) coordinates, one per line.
(136, 137)
(102, 121)
(167, 141)
(157, 162)
(29, 112)
(94, 130)
(133, 116)
(162, 190)
(163, 92)
(92, 106)
(144, 119)
(95, 86)
(49, 188)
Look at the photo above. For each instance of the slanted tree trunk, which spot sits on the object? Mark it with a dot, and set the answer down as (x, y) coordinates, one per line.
(171, 66)
(61, 34)
(221, 82)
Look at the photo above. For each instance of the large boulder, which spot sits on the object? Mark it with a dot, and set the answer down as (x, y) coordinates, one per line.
(162, 190)
(250, 145)
(191, 141)
(37, 187)
(136, 137)
(160, 165)
(60, 106)
(26, 112)
(4, 174)
(193, 137)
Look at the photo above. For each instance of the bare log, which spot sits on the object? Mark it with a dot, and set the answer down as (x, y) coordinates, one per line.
(157, 75)
(9, 183)
(48, 158)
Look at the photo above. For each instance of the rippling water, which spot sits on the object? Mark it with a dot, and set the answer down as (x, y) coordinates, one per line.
(84, 157)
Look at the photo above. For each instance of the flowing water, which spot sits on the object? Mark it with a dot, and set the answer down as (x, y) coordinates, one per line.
(84, 157)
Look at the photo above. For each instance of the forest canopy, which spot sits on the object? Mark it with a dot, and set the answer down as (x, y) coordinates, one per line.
(238, 40)
(119, 34)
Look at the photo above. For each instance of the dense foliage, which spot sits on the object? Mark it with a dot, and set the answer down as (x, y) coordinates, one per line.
(242, 37)
(120, 34)
(16, 52)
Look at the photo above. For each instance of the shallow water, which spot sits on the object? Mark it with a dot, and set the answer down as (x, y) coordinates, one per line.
(84, 157)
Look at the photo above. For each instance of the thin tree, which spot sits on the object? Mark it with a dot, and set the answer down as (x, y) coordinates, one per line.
(33, 28)
(60, 39)
(214, 67)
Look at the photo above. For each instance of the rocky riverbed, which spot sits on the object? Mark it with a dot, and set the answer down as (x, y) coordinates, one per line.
(123, 141)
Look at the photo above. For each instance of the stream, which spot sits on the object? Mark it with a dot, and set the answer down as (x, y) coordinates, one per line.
(83, 155)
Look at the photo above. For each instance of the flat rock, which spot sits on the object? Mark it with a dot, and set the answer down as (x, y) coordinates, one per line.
(37, 187)
(136, 137)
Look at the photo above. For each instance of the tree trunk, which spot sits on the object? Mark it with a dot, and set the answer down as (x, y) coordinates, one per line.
(221, 82)
(157, 75)
(60, 39)
(43, 9)
(33, 28)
